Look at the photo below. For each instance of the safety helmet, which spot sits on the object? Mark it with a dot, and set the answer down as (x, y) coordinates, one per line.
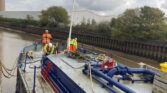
(50, 44)
(46, 31)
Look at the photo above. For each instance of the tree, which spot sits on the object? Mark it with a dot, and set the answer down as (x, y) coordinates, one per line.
(93, 22)
(144, 23)
(104, 28)
(54, 16)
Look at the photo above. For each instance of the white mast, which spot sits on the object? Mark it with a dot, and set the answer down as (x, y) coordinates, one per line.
(71, 23)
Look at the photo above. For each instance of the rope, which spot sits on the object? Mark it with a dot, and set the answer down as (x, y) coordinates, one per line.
(90, 72)
(90, 77)
(6, 76)
(10, 72)
(33, 62)
(8, 69)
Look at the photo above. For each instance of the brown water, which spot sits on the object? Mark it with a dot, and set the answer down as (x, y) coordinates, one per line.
(11, 44)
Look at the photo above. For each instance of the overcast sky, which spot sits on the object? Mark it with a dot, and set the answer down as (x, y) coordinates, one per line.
(102, 7)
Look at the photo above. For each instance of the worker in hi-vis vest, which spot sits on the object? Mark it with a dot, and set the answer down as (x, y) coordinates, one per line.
(73, 45)
(49, 49)
(46, 37)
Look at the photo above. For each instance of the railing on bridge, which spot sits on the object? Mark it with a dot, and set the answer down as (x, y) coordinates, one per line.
(156, 51)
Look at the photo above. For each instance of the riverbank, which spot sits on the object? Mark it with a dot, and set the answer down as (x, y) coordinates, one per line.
(18, 31)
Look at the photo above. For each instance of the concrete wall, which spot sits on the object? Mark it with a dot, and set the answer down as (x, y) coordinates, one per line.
(79, 16)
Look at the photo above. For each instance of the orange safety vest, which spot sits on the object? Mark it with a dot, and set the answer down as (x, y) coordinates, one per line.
(46, 38)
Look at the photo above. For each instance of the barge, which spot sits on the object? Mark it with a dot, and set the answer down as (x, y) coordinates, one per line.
(62, 73)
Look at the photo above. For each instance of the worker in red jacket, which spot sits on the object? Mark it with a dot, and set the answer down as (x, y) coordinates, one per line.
(46, 37)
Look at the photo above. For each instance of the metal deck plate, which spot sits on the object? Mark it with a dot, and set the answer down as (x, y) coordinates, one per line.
(65, 63)
(41, 85)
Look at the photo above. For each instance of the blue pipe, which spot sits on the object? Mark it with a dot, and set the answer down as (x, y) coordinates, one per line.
(104, 84)
(140, 70)
(112, 72)
(123, 70)
(115, 83)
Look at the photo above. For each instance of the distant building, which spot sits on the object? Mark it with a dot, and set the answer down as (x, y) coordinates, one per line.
(2, 5)
(20, 14)
(79, 16)
(88, 16)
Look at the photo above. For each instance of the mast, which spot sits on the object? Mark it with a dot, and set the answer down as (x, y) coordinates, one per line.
(71, 24)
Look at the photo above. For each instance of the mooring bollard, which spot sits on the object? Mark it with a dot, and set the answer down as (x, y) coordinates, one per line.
(33, 91)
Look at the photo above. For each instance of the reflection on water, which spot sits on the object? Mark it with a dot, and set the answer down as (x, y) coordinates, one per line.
(11, 44)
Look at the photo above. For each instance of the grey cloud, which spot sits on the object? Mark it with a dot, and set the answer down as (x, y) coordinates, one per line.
(31, 5)
(100, 5)
(164, 5)
(107, 7)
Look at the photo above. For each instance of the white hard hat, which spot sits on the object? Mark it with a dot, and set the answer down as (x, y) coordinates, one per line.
(50, 44)
(46, 31)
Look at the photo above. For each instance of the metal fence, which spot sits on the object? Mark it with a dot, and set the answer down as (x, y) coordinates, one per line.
(153, 50)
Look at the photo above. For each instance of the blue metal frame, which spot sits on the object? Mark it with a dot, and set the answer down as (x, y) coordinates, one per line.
(60, 79)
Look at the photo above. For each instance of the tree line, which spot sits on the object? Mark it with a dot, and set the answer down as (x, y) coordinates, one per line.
(145, 23)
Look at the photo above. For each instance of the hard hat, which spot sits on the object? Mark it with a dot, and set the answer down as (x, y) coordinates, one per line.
(50, 44)
(46, 31)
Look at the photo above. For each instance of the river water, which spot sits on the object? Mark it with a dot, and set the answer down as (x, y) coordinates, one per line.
(11, 44)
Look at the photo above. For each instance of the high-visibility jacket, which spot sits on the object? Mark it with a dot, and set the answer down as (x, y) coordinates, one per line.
(75, 43)
(49, 50)
(71, 41)
(46, 38)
